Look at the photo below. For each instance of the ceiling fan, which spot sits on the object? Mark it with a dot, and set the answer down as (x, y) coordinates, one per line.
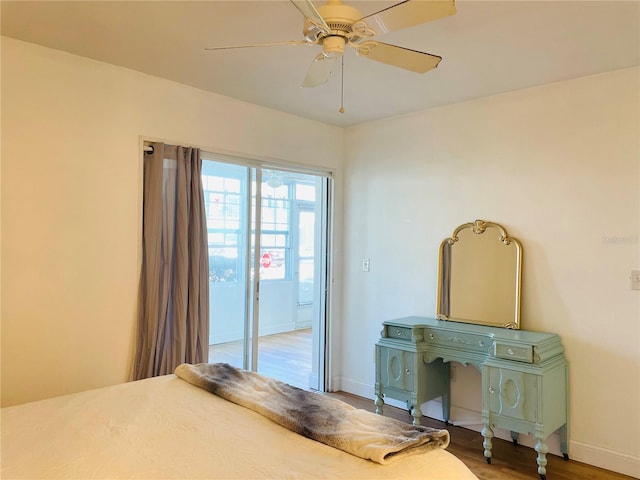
(335, 26)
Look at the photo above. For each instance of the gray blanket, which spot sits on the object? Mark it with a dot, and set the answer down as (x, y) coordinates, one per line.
(316, 416)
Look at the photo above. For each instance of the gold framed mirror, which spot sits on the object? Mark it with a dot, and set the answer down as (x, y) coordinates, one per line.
(479, 276)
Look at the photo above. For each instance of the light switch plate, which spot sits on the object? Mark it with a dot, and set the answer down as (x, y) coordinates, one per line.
(365, 264)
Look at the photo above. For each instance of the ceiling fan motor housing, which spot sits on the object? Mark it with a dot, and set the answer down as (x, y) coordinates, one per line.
(340, 19)
(339, 15)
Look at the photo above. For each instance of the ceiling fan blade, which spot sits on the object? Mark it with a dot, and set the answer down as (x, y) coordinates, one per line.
(309, 11)
(319, 71)
(412, 60)
(407, 14)
(271, 44)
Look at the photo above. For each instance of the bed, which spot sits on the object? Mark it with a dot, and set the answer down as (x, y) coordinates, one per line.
(166, 427)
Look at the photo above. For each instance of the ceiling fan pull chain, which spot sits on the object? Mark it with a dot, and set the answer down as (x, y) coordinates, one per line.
(342, 85)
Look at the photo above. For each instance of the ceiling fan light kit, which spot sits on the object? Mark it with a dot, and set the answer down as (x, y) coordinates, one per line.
(334, 26)
(333, 45)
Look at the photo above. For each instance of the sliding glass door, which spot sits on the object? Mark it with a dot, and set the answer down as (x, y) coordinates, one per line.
(267, 254)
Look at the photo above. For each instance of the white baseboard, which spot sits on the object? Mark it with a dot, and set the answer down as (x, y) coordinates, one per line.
(581, 452)
(604, 458)
(361, 389)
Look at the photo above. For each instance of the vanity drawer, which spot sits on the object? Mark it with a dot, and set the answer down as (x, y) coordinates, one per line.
(521, 353)
(459, 340)
(401, 333)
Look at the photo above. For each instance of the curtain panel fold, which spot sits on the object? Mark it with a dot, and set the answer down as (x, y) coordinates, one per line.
(173, 310)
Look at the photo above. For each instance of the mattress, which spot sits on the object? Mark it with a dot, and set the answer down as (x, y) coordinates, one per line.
(166, 428)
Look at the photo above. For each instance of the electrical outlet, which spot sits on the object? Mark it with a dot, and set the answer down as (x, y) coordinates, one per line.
(365, 264)
(635, 279)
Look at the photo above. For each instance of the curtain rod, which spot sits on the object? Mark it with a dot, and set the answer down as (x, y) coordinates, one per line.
(244, 161)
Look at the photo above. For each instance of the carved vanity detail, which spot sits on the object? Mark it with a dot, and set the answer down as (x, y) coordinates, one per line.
(524, 373)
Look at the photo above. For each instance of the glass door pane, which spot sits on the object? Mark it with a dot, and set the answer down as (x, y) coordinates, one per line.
(306, 255)
(288, 307)
(226, 204)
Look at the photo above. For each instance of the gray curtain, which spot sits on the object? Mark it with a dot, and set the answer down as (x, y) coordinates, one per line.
(173, 312)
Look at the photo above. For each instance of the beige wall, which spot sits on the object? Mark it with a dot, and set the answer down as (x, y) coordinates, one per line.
(71, 180)
(559, 167)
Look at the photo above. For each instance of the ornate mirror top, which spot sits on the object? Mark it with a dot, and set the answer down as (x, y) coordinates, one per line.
(479, 274)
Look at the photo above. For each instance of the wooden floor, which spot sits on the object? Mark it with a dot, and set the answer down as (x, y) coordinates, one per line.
(287, 357)
(509, 462)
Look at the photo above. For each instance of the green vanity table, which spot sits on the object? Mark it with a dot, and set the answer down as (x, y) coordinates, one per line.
(524, 373)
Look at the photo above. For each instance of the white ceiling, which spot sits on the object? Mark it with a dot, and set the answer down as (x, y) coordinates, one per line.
(488, 47)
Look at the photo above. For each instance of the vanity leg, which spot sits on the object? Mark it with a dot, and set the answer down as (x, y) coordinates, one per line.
(415, 411)
(487, 433)
(379, 402)
(446, 395)
(446, 408)
(564, 442)
(542, 449)
(514, 437)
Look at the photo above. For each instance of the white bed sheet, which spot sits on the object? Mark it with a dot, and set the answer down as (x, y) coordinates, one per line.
(166, 428)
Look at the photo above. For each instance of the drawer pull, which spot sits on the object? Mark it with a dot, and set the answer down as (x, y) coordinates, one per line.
(407, 371)
(510, 351)
(492, 390)
(398, 333)
(432, 336)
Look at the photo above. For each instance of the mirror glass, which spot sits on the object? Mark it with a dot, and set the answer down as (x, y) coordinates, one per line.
(479, 276)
